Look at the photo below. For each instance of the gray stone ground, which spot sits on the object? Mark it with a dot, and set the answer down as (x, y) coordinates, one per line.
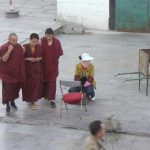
(35, 16)
(118, 103)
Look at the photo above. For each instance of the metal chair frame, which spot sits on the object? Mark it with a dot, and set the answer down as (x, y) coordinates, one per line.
(69, 84)
(143, 69)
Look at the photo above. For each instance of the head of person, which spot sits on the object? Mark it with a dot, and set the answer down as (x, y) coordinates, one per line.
(34, 39)
(97, 129)
(49, 34)
(13, 38)
(86, 59)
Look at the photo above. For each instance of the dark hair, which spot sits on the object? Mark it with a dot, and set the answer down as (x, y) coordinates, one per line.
(49, 31)
(34, 36)
(80, 57)
(95, 127)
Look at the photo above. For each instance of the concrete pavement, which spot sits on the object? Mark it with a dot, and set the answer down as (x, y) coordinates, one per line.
(35, 16)
(119, 104)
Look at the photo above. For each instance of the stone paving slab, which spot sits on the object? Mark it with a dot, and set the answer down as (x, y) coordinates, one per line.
(27, 137)
(35, 16)
(113, 96)
(118, 103)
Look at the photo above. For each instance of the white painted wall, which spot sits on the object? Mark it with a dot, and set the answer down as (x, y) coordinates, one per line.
(92, 14)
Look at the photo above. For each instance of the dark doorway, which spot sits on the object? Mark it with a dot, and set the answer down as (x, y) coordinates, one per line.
(112, 5)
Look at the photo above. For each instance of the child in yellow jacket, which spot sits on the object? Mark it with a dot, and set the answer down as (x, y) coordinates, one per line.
(85, 73)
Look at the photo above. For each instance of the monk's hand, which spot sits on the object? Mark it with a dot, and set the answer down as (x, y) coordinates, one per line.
(6, 56)
(32, 59)
(10, 48)
(37, 59)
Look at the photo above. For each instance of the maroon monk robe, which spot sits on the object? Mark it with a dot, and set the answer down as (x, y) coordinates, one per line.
(0, 62)
(32, 90)
(51, 54)
(12, 72)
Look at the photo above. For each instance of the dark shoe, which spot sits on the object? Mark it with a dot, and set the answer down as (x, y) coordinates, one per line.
(13, 105)
(53, 105)
(7, 110)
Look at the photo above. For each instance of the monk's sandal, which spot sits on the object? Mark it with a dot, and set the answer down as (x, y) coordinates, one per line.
(7, 110)
(53, 105)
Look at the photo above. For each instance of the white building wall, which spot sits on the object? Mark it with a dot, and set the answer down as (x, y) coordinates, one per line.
(92, 14)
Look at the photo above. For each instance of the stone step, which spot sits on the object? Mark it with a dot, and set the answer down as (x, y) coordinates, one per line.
(56, 26)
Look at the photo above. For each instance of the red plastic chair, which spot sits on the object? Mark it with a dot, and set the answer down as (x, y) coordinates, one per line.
(75, 98)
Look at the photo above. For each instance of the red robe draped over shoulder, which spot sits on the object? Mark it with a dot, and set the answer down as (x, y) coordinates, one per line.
(32, 89)
(51, 54)
(12, 71)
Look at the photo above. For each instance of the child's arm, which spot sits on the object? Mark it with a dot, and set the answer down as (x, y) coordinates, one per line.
(77, 74)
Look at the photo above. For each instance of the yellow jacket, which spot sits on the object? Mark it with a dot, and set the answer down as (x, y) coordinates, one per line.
(89, 73)
(92, 143)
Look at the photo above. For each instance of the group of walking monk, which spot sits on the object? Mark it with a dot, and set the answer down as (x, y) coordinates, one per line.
(32, 67)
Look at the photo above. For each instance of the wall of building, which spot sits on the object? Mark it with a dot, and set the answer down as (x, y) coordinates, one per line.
(92, 14)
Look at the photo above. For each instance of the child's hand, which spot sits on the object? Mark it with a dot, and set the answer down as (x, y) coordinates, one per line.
(87, 84)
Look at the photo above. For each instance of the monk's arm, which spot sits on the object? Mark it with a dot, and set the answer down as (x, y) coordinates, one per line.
(0, 58)
(23, 49)
(6, 56)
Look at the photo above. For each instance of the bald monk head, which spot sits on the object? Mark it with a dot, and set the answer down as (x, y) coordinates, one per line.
(13, 38)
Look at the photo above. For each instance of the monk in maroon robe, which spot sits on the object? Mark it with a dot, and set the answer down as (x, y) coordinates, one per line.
(32, 89)
(51, 52)
(12, 71)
